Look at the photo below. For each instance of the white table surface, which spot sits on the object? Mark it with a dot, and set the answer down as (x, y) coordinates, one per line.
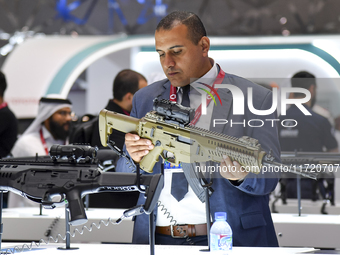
(307, 230)
(25, 224)
(126, 249)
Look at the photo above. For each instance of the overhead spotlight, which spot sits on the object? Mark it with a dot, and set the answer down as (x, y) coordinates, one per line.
(285, 32)
(283, 20)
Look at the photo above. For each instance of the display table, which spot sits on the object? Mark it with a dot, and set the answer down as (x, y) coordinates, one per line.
(25, 224)
(51, 249)
(307, 230)
(308, 207)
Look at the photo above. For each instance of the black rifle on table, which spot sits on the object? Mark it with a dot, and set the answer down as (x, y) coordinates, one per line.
(325, 164)
(70, 173)
(316, 161)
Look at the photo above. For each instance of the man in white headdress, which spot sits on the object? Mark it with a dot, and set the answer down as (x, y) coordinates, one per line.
(51, 126)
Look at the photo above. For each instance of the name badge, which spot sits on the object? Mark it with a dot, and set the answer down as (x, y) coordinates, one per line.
(171, 168)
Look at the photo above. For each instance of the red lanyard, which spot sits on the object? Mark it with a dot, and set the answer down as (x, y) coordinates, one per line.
(3, 105)
(43, 141)
(213, 91)
(126, 112)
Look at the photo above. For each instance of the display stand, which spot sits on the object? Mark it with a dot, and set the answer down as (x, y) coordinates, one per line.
(67, 231)
(151, 216)
(1, 225)
(40, 211)
(207, 212)
(298, 188)
(87, 202)
(152, 233)
(206, 187)
(111, 144)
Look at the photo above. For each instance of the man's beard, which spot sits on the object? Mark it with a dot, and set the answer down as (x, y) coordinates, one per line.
(58, 131)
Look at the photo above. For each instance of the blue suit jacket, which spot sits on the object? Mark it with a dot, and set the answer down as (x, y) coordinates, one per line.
(247, 204)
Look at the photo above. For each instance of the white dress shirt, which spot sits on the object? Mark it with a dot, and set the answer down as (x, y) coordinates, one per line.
(190, 210)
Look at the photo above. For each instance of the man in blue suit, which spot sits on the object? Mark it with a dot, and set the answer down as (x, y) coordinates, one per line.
(183, 47)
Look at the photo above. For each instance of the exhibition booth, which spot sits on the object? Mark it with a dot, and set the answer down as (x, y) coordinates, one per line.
(82, 69)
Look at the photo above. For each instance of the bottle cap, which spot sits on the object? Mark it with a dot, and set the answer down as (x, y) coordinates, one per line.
(220, 216)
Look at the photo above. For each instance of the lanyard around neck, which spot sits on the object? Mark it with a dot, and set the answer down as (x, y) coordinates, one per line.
(3, 105)
(43, 141)
(213, 92)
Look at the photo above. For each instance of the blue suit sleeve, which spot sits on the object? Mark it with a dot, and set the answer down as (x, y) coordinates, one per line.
(266, 181)
(123, 164)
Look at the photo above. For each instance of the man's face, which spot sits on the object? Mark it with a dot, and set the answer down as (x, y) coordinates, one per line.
(60, 123)
(180, 58)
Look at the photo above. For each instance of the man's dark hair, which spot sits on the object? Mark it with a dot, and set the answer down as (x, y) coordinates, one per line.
(3, 84)
(191, 20)
(303, 80)
(126, 81)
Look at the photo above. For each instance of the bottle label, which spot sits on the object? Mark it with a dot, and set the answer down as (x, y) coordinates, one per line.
(221, 242)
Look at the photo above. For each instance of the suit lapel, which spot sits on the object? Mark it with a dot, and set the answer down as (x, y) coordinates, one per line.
(221, 111)
(165, 94)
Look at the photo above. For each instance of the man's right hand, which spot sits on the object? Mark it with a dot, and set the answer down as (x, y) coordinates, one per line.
(137, 147)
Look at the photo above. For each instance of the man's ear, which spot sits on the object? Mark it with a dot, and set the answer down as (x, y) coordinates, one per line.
(205, 44)
(312, 89)
(128, 96)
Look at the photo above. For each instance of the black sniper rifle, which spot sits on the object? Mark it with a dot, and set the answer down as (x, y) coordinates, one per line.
(320, 160)
(69, 174)
(325, 164)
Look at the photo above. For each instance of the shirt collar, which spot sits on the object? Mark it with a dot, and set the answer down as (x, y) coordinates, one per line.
(208, 78)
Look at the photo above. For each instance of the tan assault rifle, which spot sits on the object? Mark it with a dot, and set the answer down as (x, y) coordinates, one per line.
(169, 130)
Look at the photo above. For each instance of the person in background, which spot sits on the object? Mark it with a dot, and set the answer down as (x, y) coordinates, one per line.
(313, 133)
(51, 126)
(126, 83)
(337, 130)
(8, 122)
(8, 127)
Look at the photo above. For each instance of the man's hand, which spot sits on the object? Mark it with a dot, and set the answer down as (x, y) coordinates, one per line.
(232, 170)
(137, 147)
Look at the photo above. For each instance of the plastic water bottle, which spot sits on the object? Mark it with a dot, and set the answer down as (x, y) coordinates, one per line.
(221, 235)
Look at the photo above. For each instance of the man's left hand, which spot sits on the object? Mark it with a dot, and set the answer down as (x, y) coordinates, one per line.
(232, 170)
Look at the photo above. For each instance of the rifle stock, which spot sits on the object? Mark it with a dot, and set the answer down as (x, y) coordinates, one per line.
(126, 123)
